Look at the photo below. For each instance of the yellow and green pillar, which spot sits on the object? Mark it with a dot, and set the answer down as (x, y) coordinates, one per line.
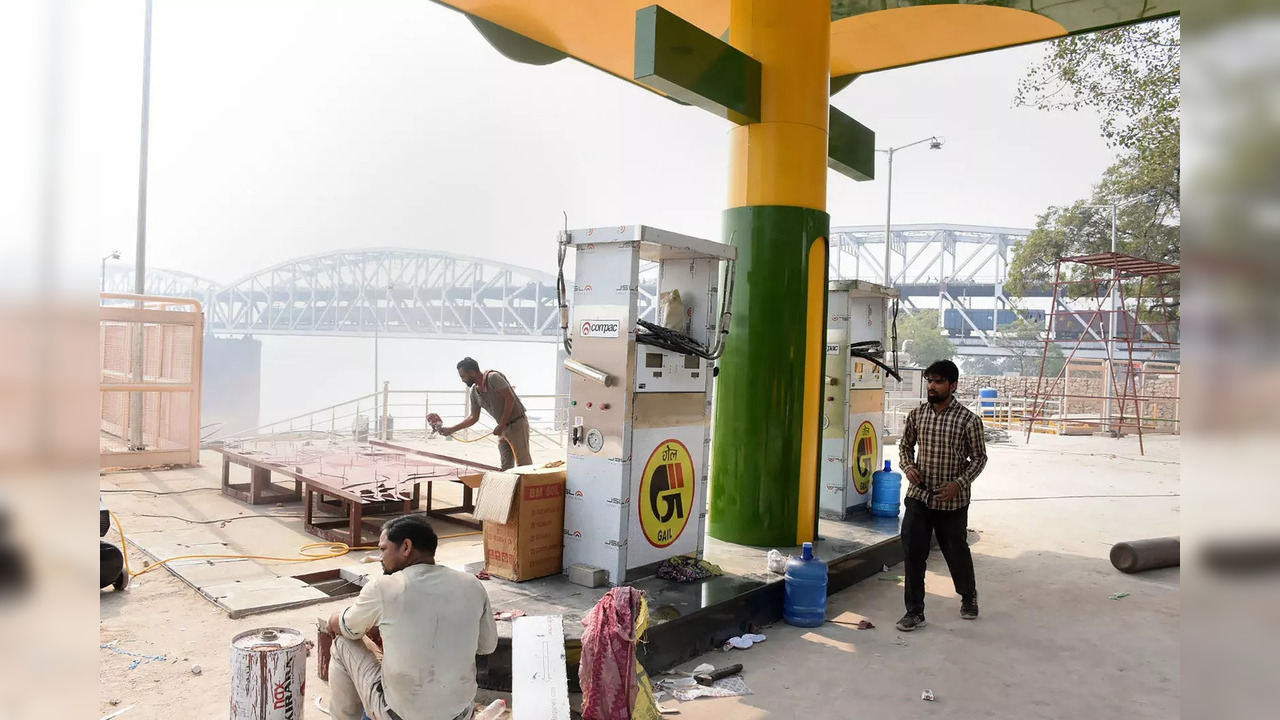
(770, 74)
(768, 409)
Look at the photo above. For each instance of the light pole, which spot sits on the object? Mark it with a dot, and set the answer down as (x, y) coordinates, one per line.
(115, 255)
(1109, 376)
(136, 403)
(376, 325)
(935, 143)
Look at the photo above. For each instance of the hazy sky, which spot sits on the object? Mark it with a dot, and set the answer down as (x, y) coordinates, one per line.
(286, 128)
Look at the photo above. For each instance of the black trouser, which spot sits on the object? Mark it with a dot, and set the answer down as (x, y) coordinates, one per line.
(919, 523)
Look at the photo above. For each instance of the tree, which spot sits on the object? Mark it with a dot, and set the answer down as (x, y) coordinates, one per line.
(982, 365)
(1149, 226)
(1132, 77)
(1023, 340)
(927, 343)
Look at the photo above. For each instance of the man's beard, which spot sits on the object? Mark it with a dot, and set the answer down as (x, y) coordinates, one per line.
(934, 398)
(385, 570)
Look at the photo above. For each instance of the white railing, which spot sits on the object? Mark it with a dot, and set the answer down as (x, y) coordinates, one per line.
(404, 414)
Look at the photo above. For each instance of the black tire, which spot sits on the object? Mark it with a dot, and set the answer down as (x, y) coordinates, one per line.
(121, 582)
(111, 564)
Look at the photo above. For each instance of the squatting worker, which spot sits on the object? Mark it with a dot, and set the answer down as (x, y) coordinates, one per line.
(490, 390)
(430, 623)
(952, 451)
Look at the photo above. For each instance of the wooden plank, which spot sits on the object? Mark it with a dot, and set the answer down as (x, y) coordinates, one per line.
(539, 683)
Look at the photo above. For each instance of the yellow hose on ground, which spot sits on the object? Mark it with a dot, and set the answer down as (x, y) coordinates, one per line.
(336, 549)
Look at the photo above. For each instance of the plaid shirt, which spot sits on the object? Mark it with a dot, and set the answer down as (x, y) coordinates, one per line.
(952, 447)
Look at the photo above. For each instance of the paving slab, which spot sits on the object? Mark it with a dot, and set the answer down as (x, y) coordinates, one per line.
(241, 598)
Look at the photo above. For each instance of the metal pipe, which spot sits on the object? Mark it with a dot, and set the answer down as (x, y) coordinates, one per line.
(587, 372)
(136, 400)
(1139, 555)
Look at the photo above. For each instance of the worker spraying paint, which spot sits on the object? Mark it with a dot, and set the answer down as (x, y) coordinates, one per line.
(491, 390)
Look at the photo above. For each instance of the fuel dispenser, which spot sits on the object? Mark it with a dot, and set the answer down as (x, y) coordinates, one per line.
(640, 394)
(858, 351)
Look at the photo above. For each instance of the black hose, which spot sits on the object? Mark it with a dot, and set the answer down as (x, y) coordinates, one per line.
(661, 337)
(892, 373)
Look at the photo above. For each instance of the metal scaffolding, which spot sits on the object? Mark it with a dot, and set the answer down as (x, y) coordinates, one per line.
(1133, 310)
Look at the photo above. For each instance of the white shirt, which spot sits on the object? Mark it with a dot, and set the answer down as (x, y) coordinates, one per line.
(434, 621)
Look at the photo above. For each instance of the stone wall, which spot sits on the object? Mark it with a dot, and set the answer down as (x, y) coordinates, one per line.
(1089, 383)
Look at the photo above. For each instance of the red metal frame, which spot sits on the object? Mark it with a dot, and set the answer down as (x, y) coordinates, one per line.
(1138, 335)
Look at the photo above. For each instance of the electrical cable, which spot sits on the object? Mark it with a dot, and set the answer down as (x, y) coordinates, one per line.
(216, 520)
(1077, 497)
(667, 339)
(894, 334)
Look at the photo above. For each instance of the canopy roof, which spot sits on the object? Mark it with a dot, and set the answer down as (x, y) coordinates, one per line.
(866, 35)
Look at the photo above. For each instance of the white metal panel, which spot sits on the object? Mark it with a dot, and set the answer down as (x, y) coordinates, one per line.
(831, 478)
(682, 506)
(597, 499)
(539, 682)
(865, 452)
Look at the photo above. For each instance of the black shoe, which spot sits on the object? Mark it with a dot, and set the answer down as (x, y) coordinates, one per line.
(911, 621)
(969, 609)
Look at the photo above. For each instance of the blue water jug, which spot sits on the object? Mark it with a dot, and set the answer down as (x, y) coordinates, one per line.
(886, 492)
(804, 599)
(988, 402)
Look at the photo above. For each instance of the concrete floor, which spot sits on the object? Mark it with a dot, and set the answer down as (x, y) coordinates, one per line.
(1050, 643)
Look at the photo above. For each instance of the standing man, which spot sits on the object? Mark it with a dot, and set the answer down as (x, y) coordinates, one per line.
(952, 453)
(491, 391)
(430, 622)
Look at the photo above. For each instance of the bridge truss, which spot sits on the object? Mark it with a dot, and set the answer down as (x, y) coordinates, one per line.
(390, 291)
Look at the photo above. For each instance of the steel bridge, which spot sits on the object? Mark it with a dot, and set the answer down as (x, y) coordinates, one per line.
(388, 291)
(959, 269)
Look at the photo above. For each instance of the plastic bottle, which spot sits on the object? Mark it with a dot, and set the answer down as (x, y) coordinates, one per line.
(494, 711)
(886, 492)
(804, 600)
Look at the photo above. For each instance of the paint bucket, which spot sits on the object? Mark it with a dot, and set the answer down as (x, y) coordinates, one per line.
(268, 675)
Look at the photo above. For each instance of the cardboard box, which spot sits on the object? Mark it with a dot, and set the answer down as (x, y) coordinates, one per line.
(530, 544)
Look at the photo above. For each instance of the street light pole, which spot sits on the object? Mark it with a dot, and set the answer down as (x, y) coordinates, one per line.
(136, 400)
(888, 219)
(935, 143)
(115, 255)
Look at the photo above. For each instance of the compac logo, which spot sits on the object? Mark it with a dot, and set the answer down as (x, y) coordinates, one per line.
(616, 543)
(573, 533)
(619, 501)
(601, 328)
(573, 493)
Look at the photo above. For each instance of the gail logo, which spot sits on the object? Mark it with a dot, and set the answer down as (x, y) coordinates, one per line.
(601, 328)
